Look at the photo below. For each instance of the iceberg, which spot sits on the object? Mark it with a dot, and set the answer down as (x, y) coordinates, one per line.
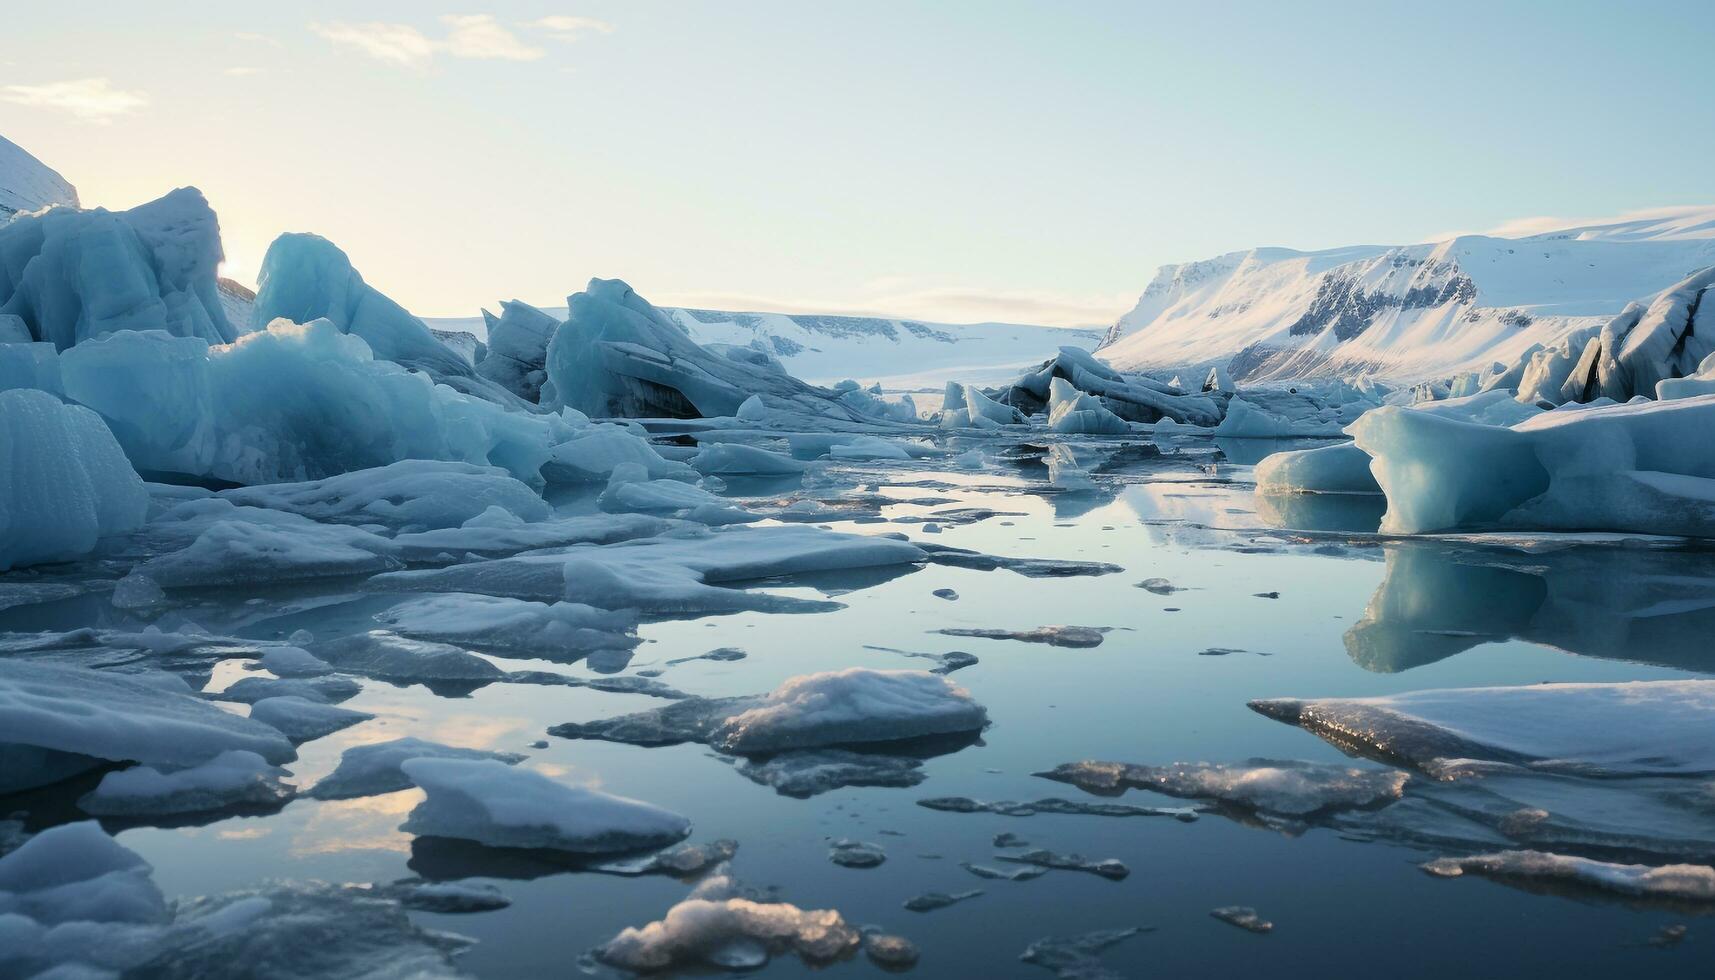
(64, 482)
(231, 779)
(291, 402)
(1073, 411)
(499, 806)
(406, 496)
(617, 356)
(517, 351)
(1638, 467)
(72, 275)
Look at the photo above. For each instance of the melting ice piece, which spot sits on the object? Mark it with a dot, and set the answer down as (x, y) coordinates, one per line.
(593, 453)
(322, 690)
(1681, 882)
(293, 662)
(1077, 957)
(1059, 636)
(848, 853)
(494, 804)
(1110, 868)
(1631, 728)
(683, 861)
(486, 536)
(996, 874)
(558, 631)
(807, 773)
(890, 952)
(370, 770)
(1285, 788)
(56, 721)
(716, 927)
(737, 459)
(1342, 468)
(386, 656)
(236, 553)
(517, 348)
(930, 901)
(1073, 411)
(1010, 808)
(76, 873)
(64, 482)
(301, 719)
(445, 897)
(1244, 917)
(231, 779)
(852, 706)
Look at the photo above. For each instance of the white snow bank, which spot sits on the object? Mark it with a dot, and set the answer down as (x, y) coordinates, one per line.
(64, 482)
(851, 706)
(57, 720)
(497, 805)
(1632, 728)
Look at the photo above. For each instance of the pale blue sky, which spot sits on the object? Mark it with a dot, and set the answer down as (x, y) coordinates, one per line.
(957, 160)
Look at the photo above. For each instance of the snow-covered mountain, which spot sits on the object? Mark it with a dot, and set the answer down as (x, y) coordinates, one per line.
(1412, 311)
(900, 354)
(28, 184)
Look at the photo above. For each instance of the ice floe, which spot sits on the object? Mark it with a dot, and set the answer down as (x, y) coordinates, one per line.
(1244, 917)
(233, 778)
(373, 769)
(1681, 882)
(560, 631)
(1058, 636)
(301, 719)
(1286, 788)
(495, 804)
(718, 927)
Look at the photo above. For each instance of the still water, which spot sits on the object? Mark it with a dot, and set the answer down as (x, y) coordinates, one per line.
(1303, 595)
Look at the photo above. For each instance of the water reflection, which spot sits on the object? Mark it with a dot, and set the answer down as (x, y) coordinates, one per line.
(1357, 513)
(1642, 605)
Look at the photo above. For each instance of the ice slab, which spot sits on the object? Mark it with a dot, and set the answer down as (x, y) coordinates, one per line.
(64, 482)
(233, 778)
(494, 804)
(376, 768)
(1286, 788)
(562, 631)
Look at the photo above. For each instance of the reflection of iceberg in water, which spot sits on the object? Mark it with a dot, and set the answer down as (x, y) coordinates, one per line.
(1356, 513)
(1643, 605)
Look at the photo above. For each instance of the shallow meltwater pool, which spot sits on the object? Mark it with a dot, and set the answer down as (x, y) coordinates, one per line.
(1290, 839)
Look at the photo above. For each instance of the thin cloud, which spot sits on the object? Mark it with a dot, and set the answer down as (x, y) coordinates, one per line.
(256, 38)
(470, 36)
(936, 305)
(565, 27)
(91, 99)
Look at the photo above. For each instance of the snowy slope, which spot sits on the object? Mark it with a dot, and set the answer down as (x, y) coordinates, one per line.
(1414, 311)
(900, 354)
(27, 184)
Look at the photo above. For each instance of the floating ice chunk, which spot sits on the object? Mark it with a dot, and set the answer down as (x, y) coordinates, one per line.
(444, 897)
(680, 573)
(1245, 420)
(1010, 808)
(1681, 882)
(737, 459)
(517, 351)
(294, 662)
(682, 861)
(321, 690)
(236, 553)
(72, 275)
(592, 453)
(1077, 957)
(932, 901)
(480, 536)
(1632, 728)
(373, 769)
(497, 805)
(852, 706)
(848, 853)
(1285, 788)
(1073, 411)
(890, 952)
(862, 448)
(561, 631)
(387, 656)
(630, 489)
(711, 929)
(64, 483)
(1030, 873)
(1244, 917)
(409, 495)
(1342, 468)
(810, 773)
(1059, 636)
(56, 720)
(301, 719)
(1110, 868)
(1619, 468)
(230, 779)
(77, 873)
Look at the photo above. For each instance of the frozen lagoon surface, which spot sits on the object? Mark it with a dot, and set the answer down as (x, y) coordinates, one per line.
(1264, 598)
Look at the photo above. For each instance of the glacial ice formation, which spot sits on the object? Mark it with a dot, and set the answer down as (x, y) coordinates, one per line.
(1072, 411)
(64, 482)
(500, 806)
(517, 351)
(233, 778)
(73, 275)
